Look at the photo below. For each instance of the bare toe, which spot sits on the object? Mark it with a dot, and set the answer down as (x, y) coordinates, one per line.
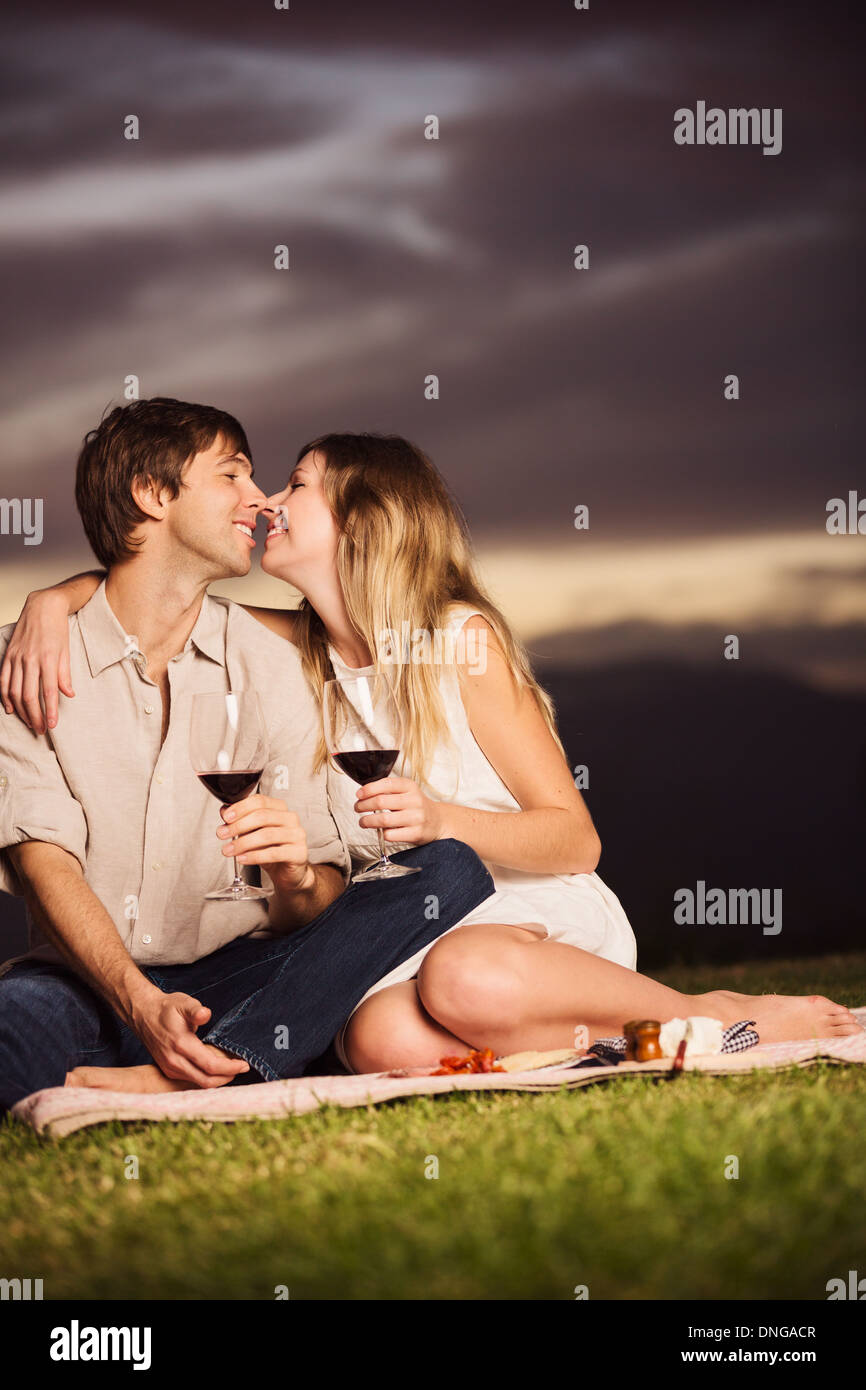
(782, 1017)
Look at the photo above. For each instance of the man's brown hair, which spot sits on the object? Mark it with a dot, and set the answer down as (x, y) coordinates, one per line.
(152, 439)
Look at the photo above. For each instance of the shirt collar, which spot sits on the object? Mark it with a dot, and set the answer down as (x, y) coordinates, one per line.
(106, 643)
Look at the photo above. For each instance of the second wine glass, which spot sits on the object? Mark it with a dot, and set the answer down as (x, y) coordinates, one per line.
(363, 734)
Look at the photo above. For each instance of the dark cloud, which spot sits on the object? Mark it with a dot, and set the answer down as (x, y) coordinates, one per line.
(832, 657)
(457, 25)
(450, 257)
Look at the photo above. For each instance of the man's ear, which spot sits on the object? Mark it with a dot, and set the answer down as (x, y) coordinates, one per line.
(150, 497)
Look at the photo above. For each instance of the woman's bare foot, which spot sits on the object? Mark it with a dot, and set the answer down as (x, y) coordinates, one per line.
(781, 1017)
(144, 1079)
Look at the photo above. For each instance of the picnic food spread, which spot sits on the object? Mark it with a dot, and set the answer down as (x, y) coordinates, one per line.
(531, 1061)
(646, 1040)
(483, 1060)
(478, 1060)
(642, 1040)
(704, 1034)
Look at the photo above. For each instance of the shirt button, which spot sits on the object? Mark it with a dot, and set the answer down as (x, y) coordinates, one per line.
(156, 864)
(148, 709)
(160, 778)
(4, 780)
(147, 940)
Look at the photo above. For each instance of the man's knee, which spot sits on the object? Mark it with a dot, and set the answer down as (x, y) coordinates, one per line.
(458, 868)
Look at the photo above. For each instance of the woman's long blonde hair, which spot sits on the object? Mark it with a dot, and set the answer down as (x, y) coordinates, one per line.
(403, 556)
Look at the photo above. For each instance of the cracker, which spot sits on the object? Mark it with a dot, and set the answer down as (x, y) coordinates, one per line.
(531, 1061)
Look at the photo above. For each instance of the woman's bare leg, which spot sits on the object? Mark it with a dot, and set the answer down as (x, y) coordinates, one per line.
(508, 988)
(393, 1029)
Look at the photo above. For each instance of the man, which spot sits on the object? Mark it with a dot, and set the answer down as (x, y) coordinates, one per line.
(109, 835)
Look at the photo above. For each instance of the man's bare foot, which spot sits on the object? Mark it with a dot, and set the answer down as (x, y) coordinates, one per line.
(141, 1080)
(781, 1017)
(146, 1078)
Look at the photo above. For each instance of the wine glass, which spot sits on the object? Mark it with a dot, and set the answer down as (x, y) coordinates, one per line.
(228, 750)
(363, 733)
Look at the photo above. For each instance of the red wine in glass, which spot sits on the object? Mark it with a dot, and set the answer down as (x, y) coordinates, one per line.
(367, 765)
(363, 734)
(229, 787)
(228, 748)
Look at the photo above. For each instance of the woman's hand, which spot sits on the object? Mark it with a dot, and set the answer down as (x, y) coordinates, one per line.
(398, 807)
(37, 657)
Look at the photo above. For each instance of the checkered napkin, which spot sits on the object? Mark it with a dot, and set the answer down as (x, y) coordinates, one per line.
(611, 1051)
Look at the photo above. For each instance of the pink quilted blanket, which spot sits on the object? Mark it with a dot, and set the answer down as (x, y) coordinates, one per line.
(63, 1109)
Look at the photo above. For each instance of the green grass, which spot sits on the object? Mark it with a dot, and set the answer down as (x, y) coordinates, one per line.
(619, 1186)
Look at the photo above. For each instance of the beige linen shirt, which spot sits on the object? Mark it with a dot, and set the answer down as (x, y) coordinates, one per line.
(134, 814)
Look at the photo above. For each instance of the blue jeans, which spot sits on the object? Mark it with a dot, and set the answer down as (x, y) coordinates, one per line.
(275, 1002)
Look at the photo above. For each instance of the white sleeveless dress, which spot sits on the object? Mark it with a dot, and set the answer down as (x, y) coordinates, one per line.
(577, 909)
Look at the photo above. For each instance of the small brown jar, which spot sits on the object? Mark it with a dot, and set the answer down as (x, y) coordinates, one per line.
(642, 1042)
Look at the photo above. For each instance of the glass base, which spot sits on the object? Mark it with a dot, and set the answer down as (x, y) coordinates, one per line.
(244, 894)
(388, 870)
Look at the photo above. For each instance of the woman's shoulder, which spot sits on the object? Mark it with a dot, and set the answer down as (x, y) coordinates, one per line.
(475, 650)
(468, 624)
(462, 614)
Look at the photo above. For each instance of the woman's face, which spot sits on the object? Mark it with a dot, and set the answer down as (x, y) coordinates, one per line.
(301, 544)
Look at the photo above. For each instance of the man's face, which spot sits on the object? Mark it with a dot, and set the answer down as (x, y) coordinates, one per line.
(214, 516)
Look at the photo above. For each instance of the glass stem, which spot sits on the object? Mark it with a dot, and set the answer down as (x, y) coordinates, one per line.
(383, 852)
(238, 883)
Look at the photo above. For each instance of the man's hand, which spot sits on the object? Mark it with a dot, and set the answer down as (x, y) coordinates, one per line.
(262, 830)
(166, 1024)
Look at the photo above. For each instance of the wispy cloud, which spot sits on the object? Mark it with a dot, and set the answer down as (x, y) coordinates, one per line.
(453, 257)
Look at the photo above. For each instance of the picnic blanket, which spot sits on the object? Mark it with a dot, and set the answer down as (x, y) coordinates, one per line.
(61, 1110)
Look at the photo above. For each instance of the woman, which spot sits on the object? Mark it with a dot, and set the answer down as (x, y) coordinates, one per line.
(367, 532)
